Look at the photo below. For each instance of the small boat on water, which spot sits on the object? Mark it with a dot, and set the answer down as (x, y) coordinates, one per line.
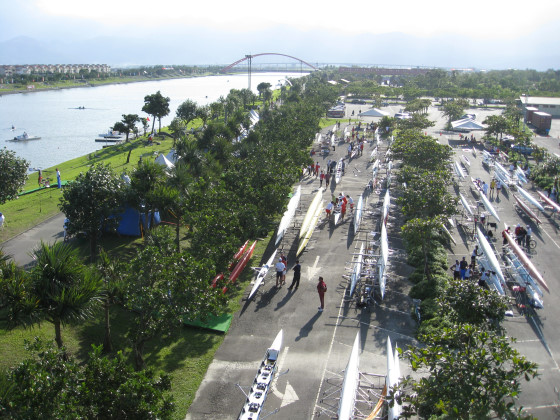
(24, 137)
(111, 135)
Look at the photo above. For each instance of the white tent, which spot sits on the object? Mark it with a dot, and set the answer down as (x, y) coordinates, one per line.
(162, 160)
(466, 125)
(171, 156)
(374, 112)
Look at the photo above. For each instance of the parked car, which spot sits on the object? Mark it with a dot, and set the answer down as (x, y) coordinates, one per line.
(358, 101)
(525, 150)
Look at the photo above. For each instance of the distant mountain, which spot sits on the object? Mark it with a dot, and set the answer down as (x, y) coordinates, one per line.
(204, 46)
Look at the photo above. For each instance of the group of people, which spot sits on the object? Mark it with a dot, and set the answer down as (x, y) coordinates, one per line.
(495, 186)
(462, 270)
(281, 268)
(45, 182)
(339, 205)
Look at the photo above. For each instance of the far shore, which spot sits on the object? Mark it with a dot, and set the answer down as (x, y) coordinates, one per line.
(112, 82)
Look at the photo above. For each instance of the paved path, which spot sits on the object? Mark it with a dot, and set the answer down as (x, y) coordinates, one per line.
(21, 246)
(316, 345)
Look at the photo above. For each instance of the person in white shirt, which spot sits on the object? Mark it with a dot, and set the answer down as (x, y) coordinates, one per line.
(280, 267)
(2, 220)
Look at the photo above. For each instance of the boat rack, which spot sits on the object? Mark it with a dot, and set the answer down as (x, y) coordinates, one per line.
(370, 393)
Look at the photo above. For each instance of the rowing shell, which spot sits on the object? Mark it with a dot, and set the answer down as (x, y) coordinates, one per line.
(392, 378)
(350, 383)
(527, 210)
(310, 213)
(466, 204)
(466, 161)
(288, 215)
(314, 220)
(473, 151)
(530, 199)
(459, 171)
(358, 214)
(527, 263)
(261, 384)
(357, 273)
(548, 201)
(240, 266)
(490, 256)
(382, 262)
(489, 206)
(338, 173)
(262, 273)
(238, 254)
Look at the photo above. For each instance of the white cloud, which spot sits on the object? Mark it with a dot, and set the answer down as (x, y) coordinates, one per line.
(480, 18)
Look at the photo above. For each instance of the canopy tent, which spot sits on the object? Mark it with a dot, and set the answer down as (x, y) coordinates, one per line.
(163, 161)
(374, 112)
(466, 124)
(172, 156)
(133, 223)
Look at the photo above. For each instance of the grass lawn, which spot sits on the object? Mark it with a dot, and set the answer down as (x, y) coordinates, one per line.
(30, 209)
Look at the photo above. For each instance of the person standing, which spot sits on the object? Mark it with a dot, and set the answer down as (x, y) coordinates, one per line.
(473, 256)
(279, 271)
(321, 289)
(327, 179)
(329, 209)
(342, 210)
(40, 179)
(492, 187)
(321, 177)
(498, 188)
(297, 276)
(285, 262)
(528, 236)
(456, 270)
(2, 220)
(58, 179)
(485, 188)
(463, 267)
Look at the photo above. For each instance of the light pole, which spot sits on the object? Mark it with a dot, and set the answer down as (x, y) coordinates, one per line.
(250, 58)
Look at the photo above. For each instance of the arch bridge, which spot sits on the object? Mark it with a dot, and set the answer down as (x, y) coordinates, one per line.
(250, 57)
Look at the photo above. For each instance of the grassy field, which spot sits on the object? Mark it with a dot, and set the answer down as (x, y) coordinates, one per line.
(30, 209)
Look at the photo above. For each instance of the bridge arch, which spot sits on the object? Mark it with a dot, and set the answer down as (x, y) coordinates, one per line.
(247, 57)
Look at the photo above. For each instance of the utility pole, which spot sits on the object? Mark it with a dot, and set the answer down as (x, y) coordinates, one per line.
(250, 58)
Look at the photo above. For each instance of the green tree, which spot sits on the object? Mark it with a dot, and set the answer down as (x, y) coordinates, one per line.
(471, 373)
(187, 111)
(144, 183)
(262, 88)
(157, 106)
(421, 151)
(112, 292)
(52, 384)
(163, 288)
(421, 233)
(497, 125)
(145, 124)
(454, 109)
(13, 173)
(92, 203)
(59, 289)
(129, 122)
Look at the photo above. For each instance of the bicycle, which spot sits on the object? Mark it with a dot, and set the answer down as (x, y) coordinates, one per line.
(530, 243)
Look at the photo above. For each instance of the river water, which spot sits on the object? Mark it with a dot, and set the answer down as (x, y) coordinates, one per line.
(68, 132)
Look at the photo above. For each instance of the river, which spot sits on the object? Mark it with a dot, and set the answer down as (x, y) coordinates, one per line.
(68, 132)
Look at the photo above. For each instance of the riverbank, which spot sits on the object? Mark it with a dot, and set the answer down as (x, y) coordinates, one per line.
(93, 83)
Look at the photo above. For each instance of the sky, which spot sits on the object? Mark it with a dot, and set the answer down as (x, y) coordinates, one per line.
(219, 31)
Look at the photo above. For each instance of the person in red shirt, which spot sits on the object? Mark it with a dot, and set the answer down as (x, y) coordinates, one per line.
(342, 210)
(321, 289)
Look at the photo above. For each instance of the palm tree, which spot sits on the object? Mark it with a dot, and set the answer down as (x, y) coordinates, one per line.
(63, 288)
(112, 292)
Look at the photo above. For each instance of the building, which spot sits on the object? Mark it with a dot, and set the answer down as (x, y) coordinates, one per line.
(542, 104)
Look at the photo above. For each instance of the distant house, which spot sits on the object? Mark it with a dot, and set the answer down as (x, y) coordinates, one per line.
(542, 104)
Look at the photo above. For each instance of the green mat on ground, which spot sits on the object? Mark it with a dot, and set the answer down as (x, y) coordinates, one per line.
(55, 186)
(217, 323)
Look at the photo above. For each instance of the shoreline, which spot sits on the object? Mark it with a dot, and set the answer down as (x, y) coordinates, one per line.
(83, 85)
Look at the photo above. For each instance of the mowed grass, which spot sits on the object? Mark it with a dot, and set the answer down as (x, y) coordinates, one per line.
(30, 209)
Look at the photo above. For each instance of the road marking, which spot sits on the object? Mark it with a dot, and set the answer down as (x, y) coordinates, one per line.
(290, 395)
(546, 233)
(340, 309)
(312, 271)
(275, 379)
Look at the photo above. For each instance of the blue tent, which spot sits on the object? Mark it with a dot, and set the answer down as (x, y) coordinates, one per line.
(133, 223)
